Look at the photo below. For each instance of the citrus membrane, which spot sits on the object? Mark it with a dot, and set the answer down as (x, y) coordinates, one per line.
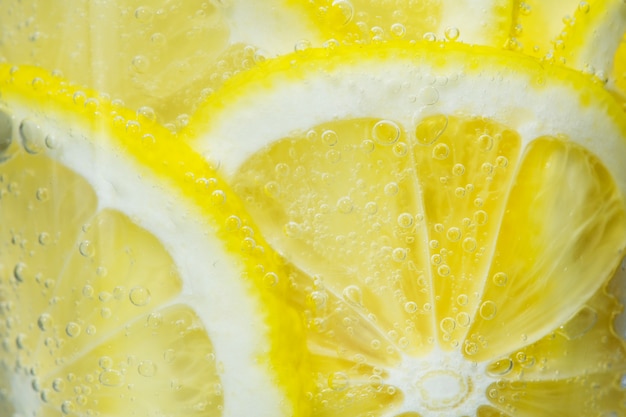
(129, 280)
(485, 22)
(150, 53)
(451, 216)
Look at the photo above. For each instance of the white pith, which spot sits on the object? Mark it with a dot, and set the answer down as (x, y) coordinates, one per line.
(444, 384)
(208, 272)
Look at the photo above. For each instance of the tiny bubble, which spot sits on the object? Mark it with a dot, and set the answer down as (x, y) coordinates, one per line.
(139, 296)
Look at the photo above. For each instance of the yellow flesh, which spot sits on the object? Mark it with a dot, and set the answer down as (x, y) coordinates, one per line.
(82, 297)
(452, 239)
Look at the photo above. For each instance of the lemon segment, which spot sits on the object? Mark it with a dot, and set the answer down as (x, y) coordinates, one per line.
(151, 54)
(120, 280)
(360, 21)
(450, 225)
(538, 264)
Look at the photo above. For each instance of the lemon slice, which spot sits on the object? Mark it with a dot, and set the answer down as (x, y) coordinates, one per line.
(127, 285)
(152, 53)
(452, 217)
(486, 22)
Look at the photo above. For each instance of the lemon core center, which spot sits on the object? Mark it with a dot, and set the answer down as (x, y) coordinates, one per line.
(441, 389)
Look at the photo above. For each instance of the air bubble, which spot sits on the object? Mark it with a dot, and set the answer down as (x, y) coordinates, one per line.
(67, 407)
(398, 254)
(218, 197)
(345, 11)
(452, 33)
(292, 230)
(430, 129)
(391, 189)
(584, 7)
(469, 244)
(333, 156)
(146, 114)
(329, 138)
(105, 362)
(441, 151)
(33, 139)
(270, 279)
(471, 348)
(447, 325)
(73, 329)
(344, 205)
(317, 299)
(146, 368)
(44, 322)
(58, 385)
(443, 270)
(502, 162)
(79, 98)
(405, 220)
(154, 320)
(462, 299)
(87, 249)
(480, 217)
(338, 381)
(88, 291)
(500, 279)
(453, 234)
(302, 45)
(19, 272)
(429, 36)
(282, 169)
(20, 341)
(400, 149)
(485, 142)
(500, 368)
(410, 307)
(143, 14)
(367, 146)
(463, 319)
(371, 207)
(488, 310)
(140, 64)
(353, 295)
(139, 296)
(458, 169)
(386, 132)
(398, 30)
(111, 378)
(42, 194)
